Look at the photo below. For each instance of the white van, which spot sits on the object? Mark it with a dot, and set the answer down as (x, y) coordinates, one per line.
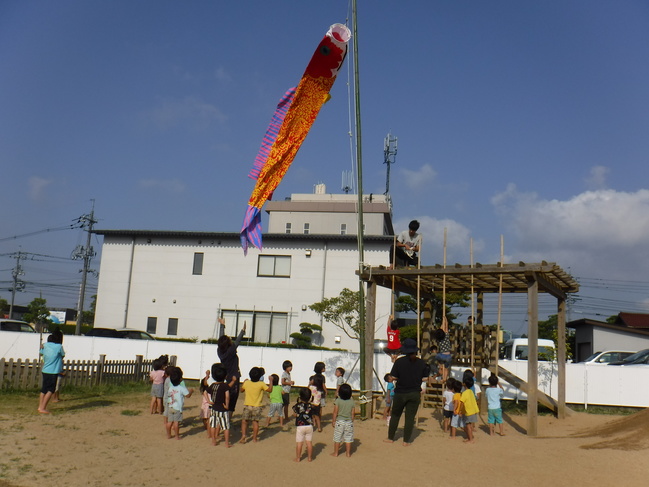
(517, 349)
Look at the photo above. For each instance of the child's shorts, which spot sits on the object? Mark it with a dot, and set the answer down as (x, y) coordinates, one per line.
(448, 414)
(286, 398)
(344, 431)
(315, 410)
(495, 416)
(304, 433)
(252, 413)
(174, 415)
(444, 359)
(276, 408)
(471, 419)
(157, 390)
(220, 419)
(458, 421)
(205, 410)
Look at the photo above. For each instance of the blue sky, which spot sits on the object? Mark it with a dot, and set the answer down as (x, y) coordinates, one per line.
(522, 119)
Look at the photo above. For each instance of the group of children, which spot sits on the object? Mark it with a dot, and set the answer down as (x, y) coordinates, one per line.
(461, 408)
(168, 392)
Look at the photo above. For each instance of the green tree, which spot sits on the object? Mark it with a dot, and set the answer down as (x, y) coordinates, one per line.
(406, 303)
(342, 311)
(4, 306)
(304, 338)
(548, 329)
(88, 317)
(38, 313)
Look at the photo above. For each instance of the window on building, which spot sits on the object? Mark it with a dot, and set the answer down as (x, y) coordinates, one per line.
(288, 227)
(198, 264)
(306, 228)
(261, 326)
(172, 326)
(151, 324)
(274, 266)
(343, 229)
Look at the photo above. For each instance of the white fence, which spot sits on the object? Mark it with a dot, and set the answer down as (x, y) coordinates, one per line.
(196, 358)
(585, 384)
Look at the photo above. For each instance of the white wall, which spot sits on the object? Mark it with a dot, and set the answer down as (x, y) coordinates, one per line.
(141, 279)
(585, 384)
(196, 358)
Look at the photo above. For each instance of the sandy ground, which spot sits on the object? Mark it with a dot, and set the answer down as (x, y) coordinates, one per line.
(95, 442)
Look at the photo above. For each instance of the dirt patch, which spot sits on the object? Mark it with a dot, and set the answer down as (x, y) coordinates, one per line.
(113, 441)
(630, 433)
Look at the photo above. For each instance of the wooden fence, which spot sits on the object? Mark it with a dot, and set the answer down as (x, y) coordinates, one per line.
(26, 374)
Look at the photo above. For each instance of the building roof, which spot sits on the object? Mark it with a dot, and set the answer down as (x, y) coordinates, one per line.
(633, 320)
(237, 236)
(585, 322)
(480, 278)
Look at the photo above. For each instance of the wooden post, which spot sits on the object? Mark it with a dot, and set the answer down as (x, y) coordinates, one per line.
(100, 369)
(561, 358)
(533, 354)
(138, 368)
(370, 320)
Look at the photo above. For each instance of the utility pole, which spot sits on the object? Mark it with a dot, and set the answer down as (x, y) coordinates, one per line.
(86, 253)
(17, 284)
(389, 156)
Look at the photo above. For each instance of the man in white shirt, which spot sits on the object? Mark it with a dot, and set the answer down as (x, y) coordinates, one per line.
(408, 243)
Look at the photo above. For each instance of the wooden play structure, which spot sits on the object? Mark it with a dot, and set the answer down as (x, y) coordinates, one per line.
(479, 279)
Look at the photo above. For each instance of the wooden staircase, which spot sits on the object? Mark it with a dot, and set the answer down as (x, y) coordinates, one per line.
(433, 397)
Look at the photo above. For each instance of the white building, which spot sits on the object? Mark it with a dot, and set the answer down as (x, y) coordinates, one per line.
(177, 283)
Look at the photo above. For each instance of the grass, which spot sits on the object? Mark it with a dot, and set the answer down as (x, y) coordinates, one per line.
(74, 398)
(131, 412)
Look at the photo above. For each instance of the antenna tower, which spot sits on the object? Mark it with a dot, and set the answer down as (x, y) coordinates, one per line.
(389, 157)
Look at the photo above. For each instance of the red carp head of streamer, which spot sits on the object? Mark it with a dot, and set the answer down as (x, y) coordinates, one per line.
(330, 54)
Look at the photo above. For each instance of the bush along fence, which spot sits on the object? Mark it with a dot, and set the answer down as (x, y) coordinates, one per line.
(26, 374)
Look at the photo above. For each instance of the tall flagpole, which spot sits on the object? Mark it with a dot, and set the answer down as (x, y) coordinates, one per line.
(359, 188)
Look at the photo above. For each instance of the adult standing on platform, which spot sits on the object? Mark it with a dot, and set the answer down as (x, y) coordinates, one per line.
(408, 243)
(227, 352)
(410, 371)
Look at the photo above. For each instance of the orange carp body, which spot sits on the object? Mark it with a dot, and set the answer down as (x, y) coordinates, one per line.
(291, 122)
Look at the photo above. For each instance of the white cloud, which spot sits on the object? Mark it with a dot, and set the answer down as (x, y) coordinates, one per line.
(186, 111)
(168, 185)
(222, 75)
(597, 177)
(602, 233)
(37, 187)
(420, 179)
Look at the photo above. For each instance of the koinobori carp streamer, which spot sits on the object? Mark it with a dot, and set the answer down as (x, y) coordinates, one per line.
(291, 122)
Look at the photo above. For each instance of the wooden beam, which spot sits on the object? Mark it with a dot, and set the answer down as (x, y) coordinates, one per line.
(561, 357)
(550, 287)
(532, 355)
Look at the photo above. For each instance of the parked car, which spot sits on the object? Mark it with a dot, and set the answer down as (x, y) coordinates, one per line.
(638, 358)
(517, 349)
(15, 325)
(119, 333)
(605, 358)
